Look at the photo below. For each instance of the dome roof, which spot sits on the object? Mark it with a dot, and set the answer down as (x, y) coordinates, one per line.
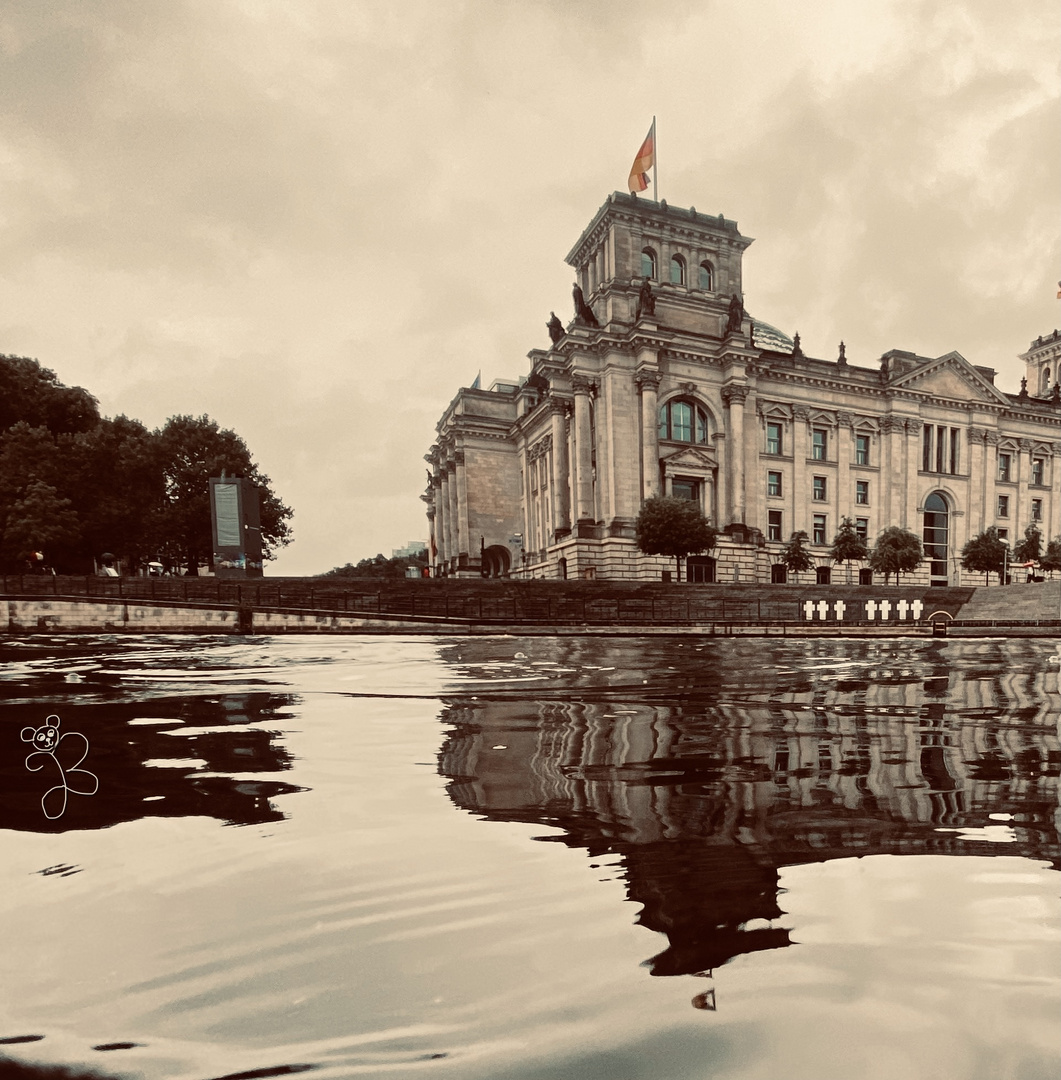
(765, 336)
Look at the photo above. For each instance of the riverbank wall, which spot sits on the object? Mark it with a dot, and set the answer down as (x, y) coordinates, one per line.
(305, 606)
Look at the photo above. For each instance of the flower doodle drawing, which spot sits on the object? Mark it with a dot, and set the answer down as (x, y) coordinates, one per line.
(47, 741)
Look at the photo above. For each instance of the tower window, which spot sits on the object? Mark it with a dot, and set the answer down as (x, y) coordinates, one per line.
(1004, 467)
(1037, 471)
(773, 484)
(819, 489)
(773, 525)
(862, 492)
(648, 263)
(1003, 506)
(818, 528)
(682, 421)
(677, 270)
(1037, 509)
(819, 444)
(707, 277)
(861, 449)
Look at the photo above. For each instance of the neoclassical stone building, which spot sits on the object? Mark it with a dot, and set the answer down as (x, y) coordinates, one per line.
(662, 383)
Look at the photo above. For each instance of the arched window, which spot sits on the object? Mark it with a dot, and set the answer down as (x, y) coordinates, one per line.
(648, 263)
(1045, 388)
(683, 421)
(707, 277)
(935, 538)
(677, 270)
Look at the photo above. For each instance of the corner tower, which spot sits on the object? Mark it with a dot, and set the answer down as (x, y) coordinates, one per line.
(692, 260)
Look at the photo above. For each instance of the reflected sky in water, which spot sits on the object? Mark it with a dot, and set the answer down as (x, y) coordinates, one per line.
(535, 858)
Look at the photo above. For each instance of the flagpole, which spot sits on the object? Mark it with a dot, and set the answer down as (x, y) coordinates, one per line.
(655, 162)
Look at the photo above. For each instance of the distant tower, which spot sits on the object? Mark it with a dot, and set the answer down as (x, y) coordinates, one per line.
(1043, 360)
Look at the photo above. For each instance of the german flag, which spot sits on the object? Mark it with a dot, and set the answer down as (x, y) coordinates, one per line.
(645, 160)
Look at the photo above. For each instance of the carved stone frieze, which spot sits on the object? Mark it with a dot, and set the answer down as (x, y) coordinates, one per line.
(540, 448)
(1026, 446)
(845, 419)
(687, 387)
(913, 426)
(889, 424)
(800, 412)
(992, 438)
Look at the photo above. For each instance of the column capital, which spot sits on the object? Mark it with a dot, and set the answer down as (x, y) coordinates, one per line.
(647, 380)
(736, 392)
(1026, 446)
(889, 424)
(800, 412)
(845, 419)
(913, 427)
(992, 438)
(582, 384)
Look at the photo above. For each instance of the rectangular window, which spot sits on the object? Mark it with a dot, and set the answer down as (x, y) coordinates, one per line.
(819, 444)
(773, 438)
(1003, 506)
(1003, 535)
(686, 489)
(926, 448)
(819, 529)
(819, 488)
(1037, 509)
(1037, 471)
(941, 448)
(773, 484)
(954, 456)
(861, 449)
(773, 525)
(1003, 467)
(862, 492)
(862, 528)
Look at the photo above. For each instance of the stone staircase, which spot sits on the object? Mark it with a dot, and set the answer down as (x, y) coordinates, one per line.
(1039, 602)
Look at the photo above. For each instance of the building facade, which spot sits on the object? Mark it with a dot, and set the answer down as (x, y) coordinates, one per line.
(663, 384)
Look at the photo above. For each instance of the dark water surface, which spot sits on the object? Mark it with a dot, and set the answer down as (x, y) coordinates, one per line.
(558, 859)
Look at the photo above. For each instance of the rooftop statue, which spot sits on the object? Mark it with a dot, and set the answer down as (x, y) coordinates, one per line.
(556, 327)
(736, 315)
(646, 302)
(583, 312)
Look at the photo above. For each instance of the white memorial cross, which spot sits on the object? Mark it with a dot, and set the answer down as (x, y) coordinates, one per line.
(871, 608)
(808, 608)
(902, 607)
(885, 608)
(839, 607)
(916, 607)
(823, 609)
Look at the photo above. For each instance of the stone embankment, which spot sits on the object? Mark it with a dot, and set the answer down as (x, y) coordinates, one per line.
(328, 605)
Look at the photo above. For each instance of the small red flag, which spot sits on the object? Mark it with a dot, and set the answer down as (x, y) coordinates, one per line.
(645, 160)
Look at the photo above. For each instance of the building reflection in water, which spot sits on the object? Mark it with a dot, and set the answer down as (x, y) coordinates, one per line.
(166, 757)
(719, 772)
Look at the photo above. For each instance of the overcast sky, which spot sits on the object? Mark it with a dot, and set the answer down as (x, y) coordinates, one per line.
(314, 220)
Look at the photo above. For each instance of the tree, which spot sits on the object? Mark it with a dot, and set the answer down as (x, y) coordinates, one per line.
(675, 527)
(34, 395)
(795, 555)
(897, 551)
(193, 449)
(39, 521)
(1051, 560)
(1030, 548)
(848, 546)
(380, 567)
(985, 554)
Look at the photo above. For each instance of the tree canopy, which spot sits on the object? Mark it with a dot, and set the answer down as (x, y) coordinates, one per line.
(380, 567)
(848, 546)
(795, 555)
(897, 551)
(1030, 548)
(674, 527)
(1051, 558)
(76, 485)
(985, 554)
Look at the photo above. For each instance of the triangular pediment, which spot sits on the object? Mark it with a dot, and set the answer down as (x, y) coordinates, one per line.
(691, 458)
(951, 377)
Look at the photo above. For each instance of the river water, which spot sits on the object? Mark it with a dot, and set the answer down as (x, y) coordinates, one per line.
(533, 858)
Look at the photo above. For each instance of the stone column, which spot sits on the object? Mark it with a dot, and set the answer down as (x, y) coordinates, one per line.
(561, 500)
(801, 471)
(584, 507)
(991, 441)
(449, 486)
(734, 397)
(977, 479)
(1022, 512)
(912, 450)
(464, 544)
(893, 434)
(843, 500)
(648, 385)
